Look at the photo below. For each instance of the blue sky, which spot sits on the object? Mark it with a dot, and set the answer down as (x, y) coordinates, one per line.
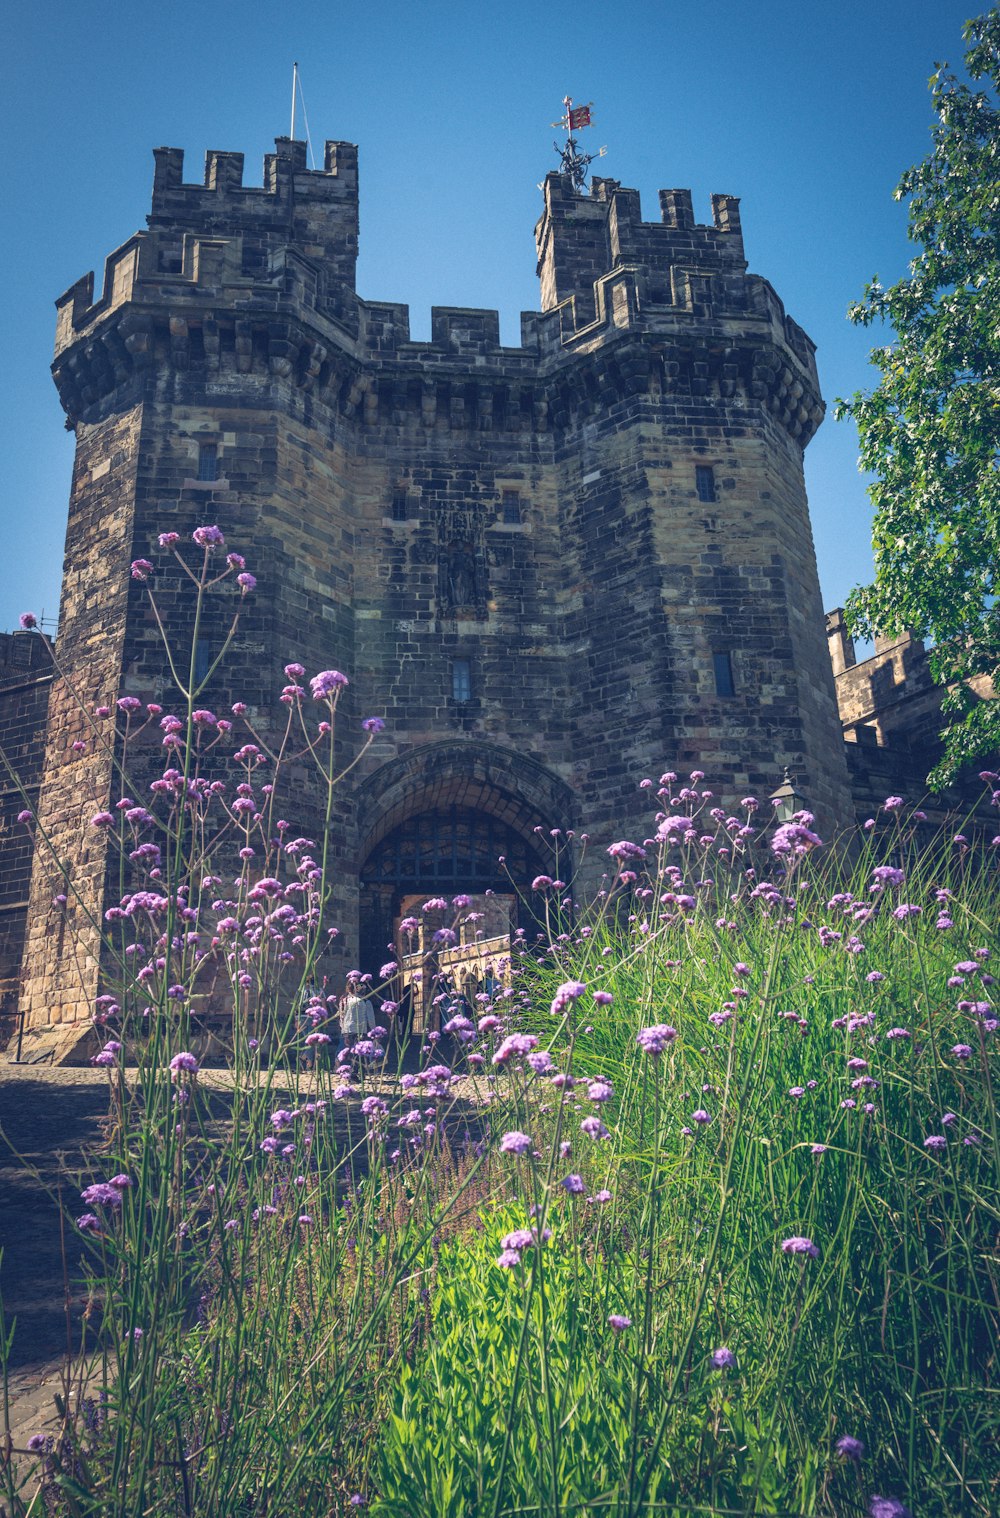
(809, 114)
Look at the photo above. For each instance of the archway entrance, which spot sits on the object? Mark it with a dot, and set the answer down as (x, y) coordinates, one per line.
(445, 852)
(456, 818)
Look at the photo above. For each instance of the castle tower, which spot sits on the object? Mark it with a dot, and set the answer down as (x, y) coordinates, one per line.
(682, 397)
(553, 569)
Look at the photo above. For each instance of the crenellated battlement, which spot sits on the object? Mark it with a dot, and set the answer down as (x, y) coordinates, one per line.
(580, 238)
(285, 173)
(259, 281)
(312, 210)
(297, 232)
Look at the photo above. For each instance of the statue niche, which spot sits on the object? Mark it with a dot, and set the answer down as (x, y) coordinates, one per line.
(461, 580)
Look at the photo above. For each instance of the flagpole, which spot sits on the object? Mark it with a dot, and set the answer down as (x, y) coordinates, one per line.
(295, 81)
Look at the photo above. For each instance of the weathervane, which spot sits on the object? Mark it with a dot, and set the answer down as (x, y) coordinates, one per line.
(571, 160)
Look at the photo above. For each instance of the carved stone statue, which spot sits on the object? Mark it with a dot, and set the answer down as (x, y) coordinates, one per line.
(458, 579)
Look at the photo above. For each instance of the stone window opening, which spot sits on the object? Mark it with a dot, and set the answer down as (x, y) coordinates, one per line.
(208, 461)
(722, 664)
(400, 510)
(704, 480)
(510, 508)
(461, 681)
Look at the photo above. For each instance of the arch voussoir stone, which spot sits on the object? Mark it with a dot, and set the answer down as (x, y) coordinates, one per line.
(512, 787)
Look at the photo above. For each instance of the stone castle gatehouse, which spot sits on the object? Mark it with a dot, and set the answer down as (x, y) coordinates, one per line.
(553, 568)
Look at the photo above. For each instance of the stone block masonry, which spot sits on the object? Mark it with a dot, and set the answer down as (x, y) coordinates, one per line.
(890, 710)
(553, 569)
(25, 681)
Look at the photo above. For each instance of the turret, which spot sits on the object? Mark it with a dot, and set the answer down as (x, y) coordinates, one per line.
(579, 238)
(216, 250)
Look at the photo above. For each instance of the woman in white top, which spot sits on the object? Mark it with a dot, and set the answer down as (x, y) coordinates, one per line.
(356, 1015)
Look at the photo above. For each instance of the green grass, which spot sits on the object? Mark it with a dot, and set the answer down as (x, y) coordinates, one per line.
(380, 1350)
(302, 1301)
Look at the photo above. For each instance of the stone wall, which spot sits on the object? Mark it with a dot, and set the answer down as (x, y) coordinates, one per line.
(25, 682)
(890, 711)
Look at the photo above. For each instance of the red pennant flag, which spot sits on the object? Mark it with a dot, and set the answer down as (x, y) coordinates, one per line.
(580, 117)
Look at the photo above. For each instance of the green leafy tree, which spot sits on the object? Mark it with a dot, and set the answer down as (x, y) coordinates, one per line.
(930, 431)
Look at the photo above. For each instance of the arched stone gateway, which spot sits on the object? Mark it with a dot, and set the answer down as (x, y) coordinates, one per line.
(453, 818)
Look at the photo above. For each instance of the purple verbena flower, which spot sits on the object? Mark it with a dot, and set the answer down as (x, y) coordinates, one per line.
(101, 1194)
(794, 838)
(625, 850)
(208, 537)
(797, 1244)
(566, 994)
(327, 683)
(515, 1045)
(655, 1039)
(887, 1507)
(674, 829)
(520, 1238)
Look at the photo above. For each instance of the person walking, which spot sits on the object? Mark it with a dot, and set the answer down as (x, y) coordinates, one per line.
(356, 1015)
